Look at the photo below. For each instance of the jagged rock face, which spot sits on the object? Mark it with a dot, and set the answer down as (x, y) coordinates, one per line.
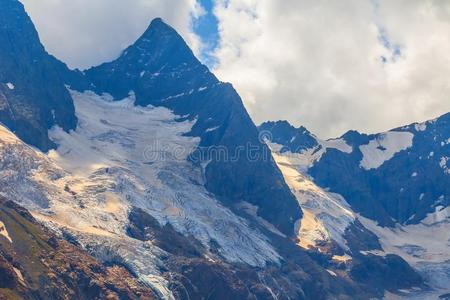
(35, 264)
(375, 270)
(161, 70)
(283, 133)
(404, 188)
(32, 94)
(333, 234)
(195, 276)
(398, 176)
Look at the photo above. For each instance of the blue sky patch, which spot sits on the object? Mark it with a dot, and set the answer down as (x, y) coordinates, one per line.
(387, 43)
(207, 28)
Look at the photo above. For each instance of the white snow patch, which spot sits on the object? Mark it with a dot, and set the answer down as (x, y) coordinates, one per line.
(342, 258)
(374, 252)
(173, 97)
(421, 126)
(443, 163)
(384, 147)
(305, 159)
(4, 232)
(425, 245)
(212, 128)
(339, 144)
(20, 276)
(332, 273)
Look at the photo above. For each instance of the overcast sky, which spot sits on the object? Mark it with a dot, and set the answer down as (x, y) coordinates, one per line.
(369, 65)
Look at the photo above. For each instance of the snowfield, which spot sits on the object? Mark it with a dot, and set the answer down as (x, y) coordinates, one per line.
(425, 246)
(306, 159)
(384, 147)
(326, 215)
(121, 156)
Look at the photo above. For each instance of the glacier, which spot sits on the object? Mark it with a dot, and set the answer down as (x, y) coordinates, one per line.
(122, 156)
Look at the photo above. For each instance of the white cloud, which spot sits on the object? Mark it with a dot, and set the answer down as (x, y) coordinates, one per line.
(319, 63)
(83, 33)
(313, 62)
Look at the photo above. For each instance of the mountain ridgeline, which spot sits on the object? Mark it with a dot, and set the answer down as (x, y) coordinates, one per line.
(231, 220)
(399, 176)
(33, 97)
(160, 70)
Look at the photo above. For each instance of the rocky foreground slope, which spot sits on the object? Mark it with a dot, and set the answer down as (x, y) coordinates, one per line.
(36, 264)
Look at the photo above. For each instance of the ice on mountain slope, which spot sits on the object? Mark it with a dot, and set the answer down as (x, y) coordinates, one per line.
(305, 159)
(384, 147)
(338, 144)
(425, 246)
(326, 215)
(141, 155)
(121, 156)
(29, 177)
(420, 126)
(26, 175)
(444, 164)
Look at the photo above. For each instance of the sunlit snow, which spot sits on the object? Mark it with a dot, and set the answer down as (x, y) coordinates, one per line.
(326, 215)
(384, 147)
(304, 160)
(120, 156)
(424, 246)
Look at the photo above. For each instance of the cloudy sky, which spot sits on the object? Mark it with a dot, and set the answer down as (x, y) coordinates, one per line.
(369, 65)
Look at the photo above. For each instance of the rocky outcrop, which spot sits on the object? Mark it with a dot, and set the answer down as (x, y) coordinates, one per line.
(390, 272)
(33, 97)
